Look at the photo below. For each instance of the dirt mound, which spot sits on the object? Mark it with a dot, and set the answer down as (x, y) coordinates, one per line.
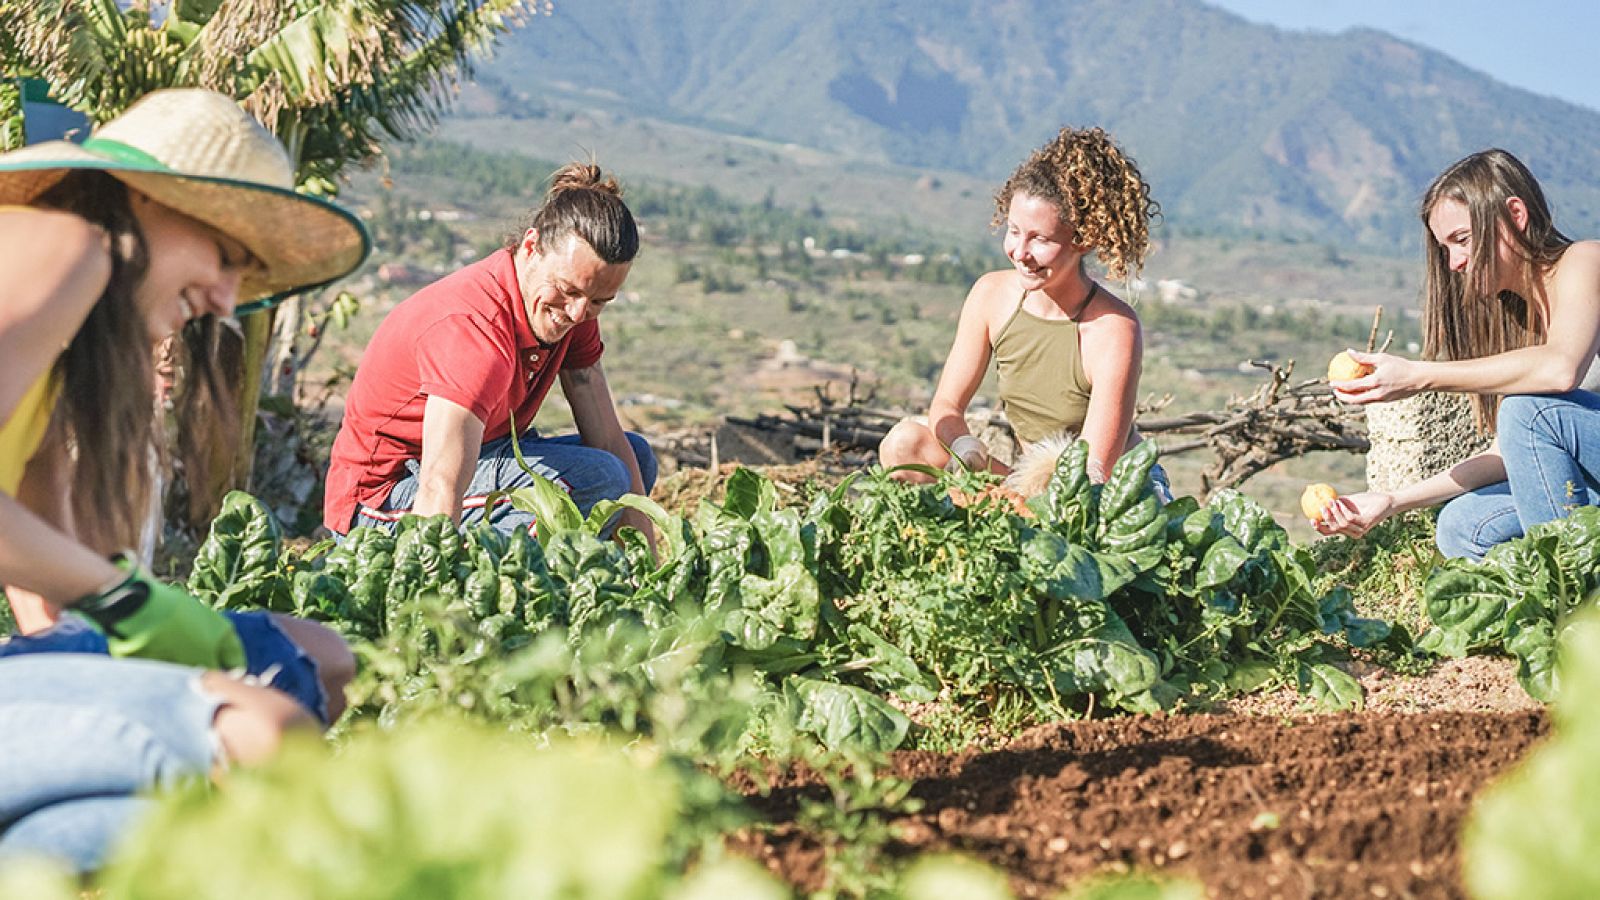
(1333, 806)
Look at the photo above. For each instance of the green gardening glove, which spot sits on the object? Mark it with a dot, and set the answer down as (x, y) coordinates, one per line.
(149, 619)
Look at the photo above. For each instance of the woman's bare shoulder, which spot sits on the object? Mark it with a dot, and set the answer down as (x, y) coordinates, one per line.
(53, 250)
(1582, 253)
(1112, 312)
(40, 240)
(1578, 268)
(994, 291)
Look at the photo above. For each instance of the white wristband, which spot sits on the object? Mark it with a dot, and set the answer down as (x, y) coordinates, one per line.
(970, 451)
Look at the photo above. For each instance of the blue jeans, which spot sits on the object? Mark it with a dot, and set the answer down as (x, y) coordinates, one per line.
(81, 737)
(275, 660)
(587, 474)
(1551, 447)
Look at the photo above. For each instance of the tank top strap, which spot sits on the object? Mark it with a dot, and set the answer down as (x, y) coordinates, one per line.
(1012, 318)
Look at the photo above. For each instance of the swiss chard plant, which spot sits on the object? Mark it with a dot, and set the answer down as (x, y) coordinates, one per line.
(1519, 597)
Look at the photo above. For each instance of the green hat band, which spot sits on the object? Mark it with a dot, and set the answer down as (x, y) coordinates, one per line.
(117, 151)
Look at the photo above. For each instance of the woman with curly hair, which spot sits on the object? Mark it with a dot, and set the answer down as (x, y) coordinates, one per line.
(1512, 317)
(1067, 350)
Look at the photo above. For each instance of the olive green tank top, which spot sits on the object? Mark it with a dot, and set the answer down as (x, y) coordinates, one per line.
(1043, 386)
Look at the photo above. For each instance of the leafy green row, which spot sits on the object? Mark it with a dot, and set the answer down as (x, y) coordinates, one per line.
(876, 589)
(1518, 598)
(1104, 592)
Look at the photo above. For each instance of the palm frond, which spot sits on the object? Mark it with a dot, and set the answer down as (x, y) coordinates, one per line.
(13, 134)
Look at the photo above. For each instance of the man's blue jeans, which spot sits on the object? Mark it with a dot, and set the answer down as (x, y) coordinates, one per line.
(1551, 446)
(587, 474)
(82, 737)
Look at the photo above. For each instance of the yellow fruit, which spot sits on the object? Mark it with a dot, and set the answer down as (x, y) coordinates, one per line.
(1315, 499)
(1343, 367)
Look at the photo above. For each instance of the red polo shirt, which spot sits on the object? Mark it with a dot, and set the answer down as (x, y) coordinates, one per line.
(465, 338)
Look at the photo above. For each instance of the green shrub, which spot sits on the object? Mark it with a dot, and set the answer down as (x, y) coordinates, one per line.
(442, 810)
(1534, 833)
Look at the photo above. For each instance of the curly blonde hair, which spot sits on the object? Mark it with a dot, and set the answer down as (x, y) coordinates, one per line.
(1098, 190)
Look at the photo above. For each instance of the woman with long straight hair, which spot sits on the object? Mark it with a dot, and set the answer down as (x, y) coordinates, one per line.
(1511, 317)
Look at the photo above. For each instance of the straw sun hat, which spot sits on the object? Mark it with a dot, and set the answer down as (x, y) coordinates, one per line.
(196, 151)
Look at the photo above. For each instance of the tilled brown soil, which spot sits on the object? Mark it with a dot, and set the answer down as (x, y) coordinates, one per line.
(1350, 805)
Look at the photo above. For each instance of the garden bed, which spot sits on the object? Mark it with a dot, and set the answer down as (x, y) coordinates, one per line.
(1345, 805)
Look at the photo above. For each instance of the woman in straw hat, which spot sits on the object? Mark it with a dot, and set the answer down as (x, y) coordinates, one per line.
(161, 223)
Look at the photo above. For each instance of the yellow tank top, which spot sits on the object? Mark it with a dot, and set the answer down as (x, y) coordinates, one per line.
(1042, 382)
(21, 434)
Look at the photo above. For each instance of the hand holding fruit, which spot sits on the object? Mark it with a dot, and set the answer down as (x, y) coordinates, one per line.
(1358, 377)
(1343, 367)
(1316, 499)
(1352, 515)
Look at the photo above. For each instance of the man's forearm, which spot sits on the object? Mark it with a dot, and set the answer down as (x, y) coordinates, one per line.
(440, 495)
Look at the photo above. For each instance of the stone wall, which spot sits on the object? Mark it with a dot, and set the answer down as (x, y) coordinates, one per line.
(1419, 437)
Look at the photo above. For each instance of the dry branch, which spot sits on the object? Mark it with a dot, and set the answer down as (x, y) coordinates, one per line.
(1280, 420)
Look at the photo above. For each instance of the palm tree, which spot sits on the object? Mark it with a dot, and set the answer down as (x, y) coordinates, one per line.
(333, 79)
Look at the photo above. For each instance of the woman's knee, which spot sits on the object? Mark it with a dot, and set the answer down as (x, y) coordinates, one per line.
(1452, 533)
(1519, 412)
(336, 663)
(905, 443)
(251, 721)
(1470, 525)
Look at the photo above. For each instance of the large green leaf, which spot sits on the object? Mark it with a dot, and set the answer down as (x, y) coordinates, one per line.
(1470, 603)
(1068, 503)
(785, 605)
(1061, 571)
(668, 526)
(1331, 686)
(1127, 485)
(1222, 561)
(1533, 643)
(846, 717)
(748, 493)
(552, 508)
(1106, 658)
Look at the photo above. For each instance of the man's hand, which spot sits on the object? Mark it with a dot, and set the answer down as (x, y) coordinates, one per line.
(146, 618)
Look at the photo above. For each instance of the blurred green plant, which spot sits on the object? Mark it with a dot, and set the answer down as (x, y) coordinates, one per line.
(442, 809)
(1533, 834)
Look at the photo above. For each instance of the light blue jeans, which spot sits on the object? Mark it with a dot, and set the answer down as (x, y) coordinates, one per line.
(269, 654)
(587, 474)
(1551, 446)
(82, 737)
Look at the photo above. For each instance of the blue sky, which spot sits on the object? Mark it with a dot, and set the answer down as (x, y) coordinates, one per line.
(1550, 47)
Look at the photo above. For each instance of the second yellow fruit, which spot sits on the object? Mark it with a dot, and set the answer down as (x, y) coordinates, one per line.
(1316, 499)
(1343, 367)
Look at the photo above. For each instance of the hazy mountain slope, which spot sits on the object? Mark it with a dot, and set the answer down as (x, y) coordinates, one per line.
(1238, 126)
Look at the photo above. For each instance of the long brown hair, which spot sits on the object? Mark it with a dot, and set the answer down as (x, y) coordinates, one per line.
(1463, 316)
(583, 201)
(106, 414)
(1097, 189)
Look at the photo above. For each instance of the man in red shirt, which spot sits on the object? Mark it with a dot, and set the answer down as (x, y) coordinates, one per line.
(428, 422)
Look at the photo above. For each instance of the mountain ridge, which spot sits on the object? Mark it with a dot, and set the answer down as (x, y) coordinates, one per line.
(1238, 126)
